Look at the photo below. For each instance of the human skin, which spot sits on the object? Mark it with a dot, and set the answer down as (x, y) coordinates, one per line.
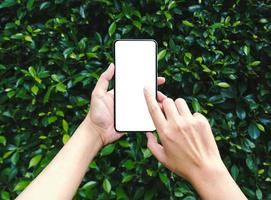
(63, 175)
(188, 148)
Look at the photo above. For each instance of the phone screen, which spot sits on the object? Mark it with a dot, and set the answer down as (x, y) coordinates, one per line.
(135, 67)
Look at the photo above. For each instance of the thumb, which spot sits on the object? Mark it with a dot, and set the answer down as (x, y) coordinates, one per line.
(156, 148)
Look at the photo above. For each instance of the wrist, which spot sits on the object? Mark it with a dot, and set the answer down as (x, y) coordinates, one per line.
(216, 181)
(93, 132)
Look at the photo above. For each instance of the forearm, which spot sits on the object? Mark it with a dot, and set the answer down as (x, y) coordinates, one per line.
(61, 178)
(217, 184)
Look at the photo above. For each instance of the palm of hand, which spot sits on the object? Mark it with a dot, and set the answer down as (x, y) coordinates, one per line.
(101, 114)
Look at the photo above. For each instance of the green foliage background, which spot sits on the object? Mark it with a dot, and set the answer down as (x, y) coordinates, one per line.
(214, 53)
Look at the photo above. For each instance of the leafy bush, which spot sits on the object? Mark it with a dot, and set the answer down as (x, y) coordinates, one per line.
(214, 53)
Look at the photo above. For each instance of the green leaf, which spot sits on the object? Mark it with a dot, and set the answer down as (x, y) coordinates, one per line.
(124, 143)
(67, 52)
(260, 127)
(5, 195)
(112, 29)
(21, 185)
(234, 172)
(107, 150)
(241, 113)
(65, 138)
(146, 153)
(34, 89)
(259, 194)
(189, 198)
(127, 178)
(32, 71)
(163, 177)
(7, 3)
(223, 85)
(162, 54)
(106, 185)
(65, 126)
(253, 131)
(255, 63)
(246, 50)
(187, 57)
(28, 38)
(89, 185)
(195, 105)
(15, 157)
(61, 87)
(34, 161)
(3, 140)
(51, 119)
(44, 5)
(187, 23)
(137, 24)
(129, 164)
(30, 4)
(250, 163)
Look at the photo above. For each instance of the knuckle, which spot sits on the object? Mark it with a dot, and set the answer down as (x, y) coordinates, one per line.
(167, 101)
(169, 137)
(153, 109)
(201, 121)
(180, 100)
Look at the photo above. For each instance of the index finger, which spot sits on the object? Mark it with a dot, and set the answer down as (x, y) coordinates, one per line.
(156, 113)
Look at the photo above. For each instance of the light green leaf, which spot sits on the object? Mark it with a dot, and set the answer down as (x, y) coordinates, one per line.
(5, 195)
(255, 63)
(34, 161)
(106, 185)
(61, 87)
(137, 24)
(3, 140)
(51, 119)
(162, 54)
(34, 89)
(195, 105)
(89, 185)
(112, 29)
(260, 127)
(246, 50)
(67, 52)
(28, 38)
(223, 85)
(187, 23)
(65, 126)
(259, 194)
(21, 185)
(107, 150)
(65, 138)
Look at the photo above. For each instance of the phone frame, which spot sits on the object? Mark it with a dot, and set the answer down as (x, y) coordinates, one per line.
(156, 72)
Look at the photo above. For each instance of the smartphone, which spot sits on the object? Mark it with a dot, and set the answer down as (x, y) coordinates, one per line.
(135, 67)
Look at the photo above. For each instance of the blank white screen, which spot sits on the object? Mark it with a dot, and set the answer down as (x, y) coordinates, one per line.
(135, 67)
